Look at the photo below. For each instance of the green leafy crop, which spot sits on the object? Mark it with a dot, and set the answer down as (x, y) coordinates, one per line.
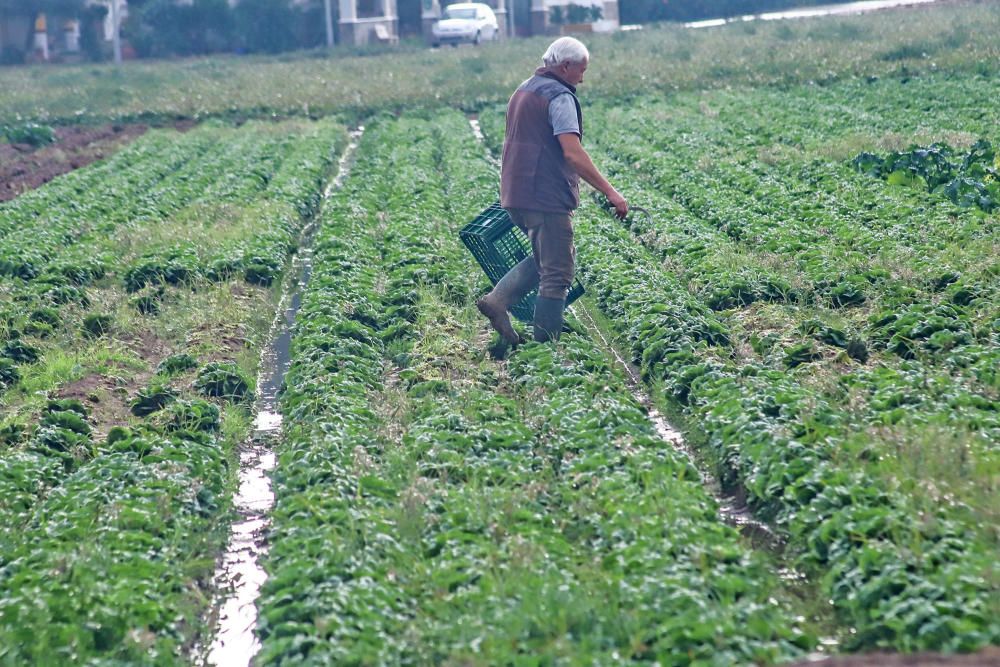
(969, 180)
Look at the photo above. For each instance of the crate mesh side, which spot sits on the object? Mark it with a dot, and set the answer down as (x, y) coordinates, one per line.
(498, 246)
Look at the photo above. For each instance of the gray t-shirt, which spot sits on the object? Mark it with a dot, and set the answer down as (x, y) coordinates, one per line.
(562, 115)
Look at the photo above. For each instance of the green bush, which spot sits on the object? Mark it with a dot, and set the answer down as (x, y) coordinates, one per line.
(32, 134)
(224, 380)
(151, 399)
(97, 324)
(194, 415)
(9, 375)
(177, 363)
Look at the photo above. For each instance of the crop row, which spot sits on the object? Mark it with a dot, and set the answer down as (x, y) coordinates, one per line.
(105, 183)
(902, 570)
(924, 296)
(222, 216)
(146, 187)
(71, 213)
(108, 543)
(946, 318)
(942, 316)
(900, 573)
(433, 506)
(283, 195)
(814, 118)
(840, 241)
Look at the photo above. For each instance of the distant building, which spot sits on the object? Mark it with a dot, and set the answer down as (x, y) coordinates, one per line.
(109, 29)
(368, 21)
(30, 36)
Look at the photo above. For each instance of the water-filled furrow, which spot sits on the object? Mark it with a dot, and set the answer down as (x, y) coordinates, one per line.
(732, 509)
(239, 575)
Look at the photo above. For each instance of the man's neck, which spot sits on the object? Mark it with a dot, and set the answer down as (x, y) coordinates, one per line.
(549, 73)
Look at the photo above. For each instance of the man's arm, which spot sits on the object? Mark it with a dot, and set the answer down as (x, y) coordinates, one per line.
(580, 161)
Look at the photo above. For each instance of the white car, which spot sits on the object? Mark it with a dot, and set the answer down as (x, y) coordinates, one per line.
(471, 22)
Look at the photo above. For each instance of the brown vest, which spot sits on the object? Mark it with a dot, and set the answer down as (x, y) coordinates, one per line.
(534, 174)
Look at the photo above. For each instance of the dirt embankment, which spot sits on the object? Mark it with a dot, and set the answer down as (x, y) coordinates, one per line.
(24, 167)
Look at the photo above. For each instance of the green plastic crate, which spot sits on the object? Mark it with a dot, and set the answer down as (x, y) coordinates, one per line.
(498, 245)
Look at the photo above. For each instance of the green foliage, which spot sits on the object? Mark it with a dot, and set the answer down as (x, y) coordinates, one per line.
(20, 352)
(136, 517)
(165, 28)
(92, 31)
(791, 307)
(174, 267)
(969, 181)
(97, 324)
(149, 300)
(224, 380)
(462, 505)
(574, 13)
(151, 399)
(176, 364)
(264, 26)
(194, 415)
(802, 353)
(778, 415)
(46, 315)
(9, 374)
(11, 433)
(32, 134)
(645, 11)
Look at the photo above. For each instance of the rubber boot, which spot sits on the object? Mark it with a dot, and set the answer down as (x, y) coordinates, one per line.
(548, 318)
(512, 287)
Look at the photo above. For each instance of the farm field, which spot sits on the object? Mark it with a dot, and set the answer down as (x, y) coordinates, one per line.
(824, 346)
(819, 321)
(954, 37)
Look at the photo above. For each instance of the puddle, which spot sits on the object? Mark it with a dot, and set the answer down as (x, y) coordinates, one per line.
(239, 575)
(477, 130)
(732, 506)
(822, 10)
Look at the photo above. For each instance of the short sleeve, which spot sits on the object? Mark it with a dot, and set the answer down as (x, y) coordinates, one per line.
(562, 115)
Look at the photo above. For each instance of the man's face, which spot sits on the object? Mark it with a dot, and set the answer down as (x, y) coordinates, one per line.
(572, 73)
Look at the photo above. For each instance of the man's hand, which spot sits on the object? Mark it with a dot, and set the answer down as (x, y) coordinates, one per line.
(578, 158)
(621, 206)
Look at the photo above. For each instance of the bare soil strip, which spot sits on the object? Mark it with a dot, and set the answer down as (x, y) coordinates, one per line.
(24, 167)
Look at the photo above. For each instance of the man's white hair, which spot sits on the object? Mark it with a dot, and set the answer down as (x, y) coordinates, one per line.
(565, 50)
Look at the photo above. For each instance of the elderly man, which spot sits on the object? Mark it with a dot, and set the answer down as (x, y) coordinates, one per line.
(543, 161)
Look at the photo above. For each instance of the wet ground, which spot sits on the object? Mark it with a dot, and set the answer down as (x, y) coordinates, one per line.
(733, 508)
(24, 167)
(841, 9)
(239, 574)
